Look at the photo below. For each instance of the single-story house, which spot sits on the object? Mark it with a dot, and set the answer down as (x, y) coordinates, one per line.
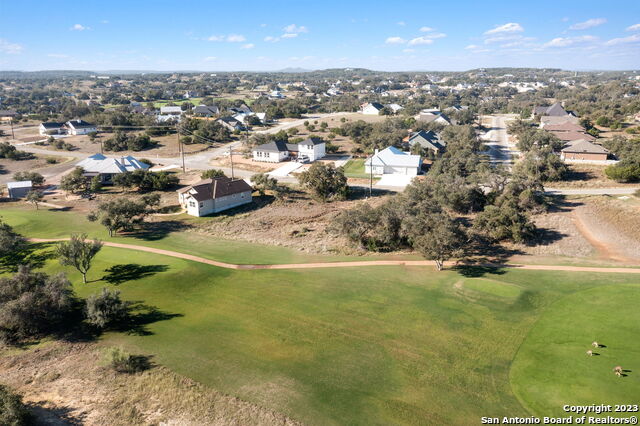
(7, 114)
(19, 189)
(456, 108)
(573, 136)
(433, 116)
(241, 109)
(52, 128)
(275, 152)
(231, 123)
(555, 110)
(206, 111)
(106, 167)
(391, 160)
(426, 139)
(394, 107)
(170, 110)
(79, 127)
(563, 127)
(584, 150)
(214, 195)
(547, 120)
(371, 108)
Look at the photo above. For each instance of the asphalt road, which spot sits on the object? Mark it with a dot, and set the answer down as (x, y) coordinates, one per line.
(497, 140)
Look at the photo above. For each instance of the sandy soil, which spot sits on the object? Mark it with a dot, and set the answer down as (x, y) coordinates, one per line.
(38, 164)
(67, 383)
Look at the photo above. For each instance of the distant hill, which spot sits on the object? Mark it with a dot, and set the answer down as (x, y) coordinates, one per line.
(293, 70)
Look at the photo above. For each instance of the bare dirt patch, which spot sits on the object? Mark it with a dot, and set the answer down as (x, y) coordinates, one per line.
(66, 383)
(587, 176)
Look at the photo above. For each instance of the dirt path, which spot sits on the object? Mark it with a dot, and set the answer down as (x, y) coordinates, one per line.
(345, 264)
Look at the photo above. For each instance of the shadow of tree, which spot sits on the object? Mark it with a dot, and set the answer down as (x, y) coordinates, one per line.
(31, 254)
(153, 231)
(53, 416)
(118, 274)
(140, 316)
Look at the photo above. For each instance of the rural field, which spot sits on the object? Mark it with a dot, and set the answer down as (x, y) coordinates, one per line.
(365, 345)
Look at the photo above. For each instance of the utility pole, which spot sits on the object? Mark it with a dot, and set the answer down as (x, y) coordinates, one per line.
(371, 177)
(180, 148)
(13, 136)
(231, 158)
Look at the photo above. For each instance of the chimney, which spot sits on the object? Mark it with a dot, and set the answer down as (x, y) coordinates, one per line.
(376, 151)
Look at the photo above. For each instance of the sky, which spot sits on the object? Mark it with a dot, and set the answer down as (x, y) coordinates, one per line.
(271, 35)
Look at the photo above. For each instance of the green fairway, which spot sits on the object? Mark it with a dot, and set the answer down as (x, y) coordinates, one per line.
(384, 345)
(552, 367)
(51, 223)
(364, 346)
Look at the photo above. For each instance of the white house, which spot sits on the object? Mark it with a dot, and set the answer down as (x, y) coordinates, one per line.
(214, 195)
(106, 167)
(275, 152)
(51, 128)
(391, 160)
(433, 116)
(79, 127)
(371, 108)
(394, 107)
(314, 148)
(19, 189)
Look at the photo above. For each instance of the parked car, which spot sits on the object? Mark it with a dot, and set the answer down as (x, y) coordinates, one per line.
(303, 159)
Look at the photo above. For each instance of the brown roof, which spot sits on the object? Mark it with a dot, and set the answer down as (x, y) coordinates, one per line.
(208, 189)
(547, 120)
(573, 136)
(584, 146)
(564, 127)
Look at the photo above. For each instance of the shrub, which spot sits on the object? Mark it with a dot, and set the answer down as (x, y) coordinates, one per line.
(212, 173)
(123, 362)
(35, 178)
(12, 410)
(105, 308)
(51, 160)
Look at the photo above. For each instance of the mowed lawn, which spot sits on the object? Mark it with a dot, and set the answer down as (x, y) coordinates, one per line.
(383, 345)
(378, 345)
(552, 368)
(52, 223)
(355, 169)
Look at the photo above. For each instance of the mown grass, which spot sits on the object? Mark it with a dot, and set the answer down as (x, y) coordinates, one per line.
(355, 169)
(170, 235)
(378, 345)
(383, 345)
(552, 368)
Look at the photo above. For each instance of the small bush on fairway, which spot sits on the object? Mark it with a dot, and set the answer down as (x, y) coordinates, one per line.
(123, 362)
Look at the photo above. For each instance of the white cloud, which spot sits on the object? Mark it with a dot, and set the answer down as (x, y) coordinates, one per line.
(79, 27)
(293, 28)
(623, 40)
(408, 50)
(570, 41)
(263, 25)
(271, 39)
(635, 27)
(472, 46)
(590, 23)
(420, 40)
(426, 29)
(104, 21)
(511, 27)
(231, 38)
(10, 48)
(248, 46)
(235, 38)
(402, 23)
(289, 35)
(57, 55)
(209, 58)
(395, 40)
(436, 35)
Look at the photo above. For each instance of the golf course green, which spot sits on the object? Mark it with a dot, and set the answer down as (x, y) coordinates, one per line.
(366, 345)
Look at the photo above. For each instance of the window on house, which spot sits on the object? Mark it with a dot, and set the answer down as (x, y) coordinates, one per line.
(201, 205)
(192, 203)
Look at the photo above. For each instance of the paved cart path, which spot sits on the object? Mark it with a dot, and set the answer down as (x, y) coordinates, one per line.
(344, 264)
